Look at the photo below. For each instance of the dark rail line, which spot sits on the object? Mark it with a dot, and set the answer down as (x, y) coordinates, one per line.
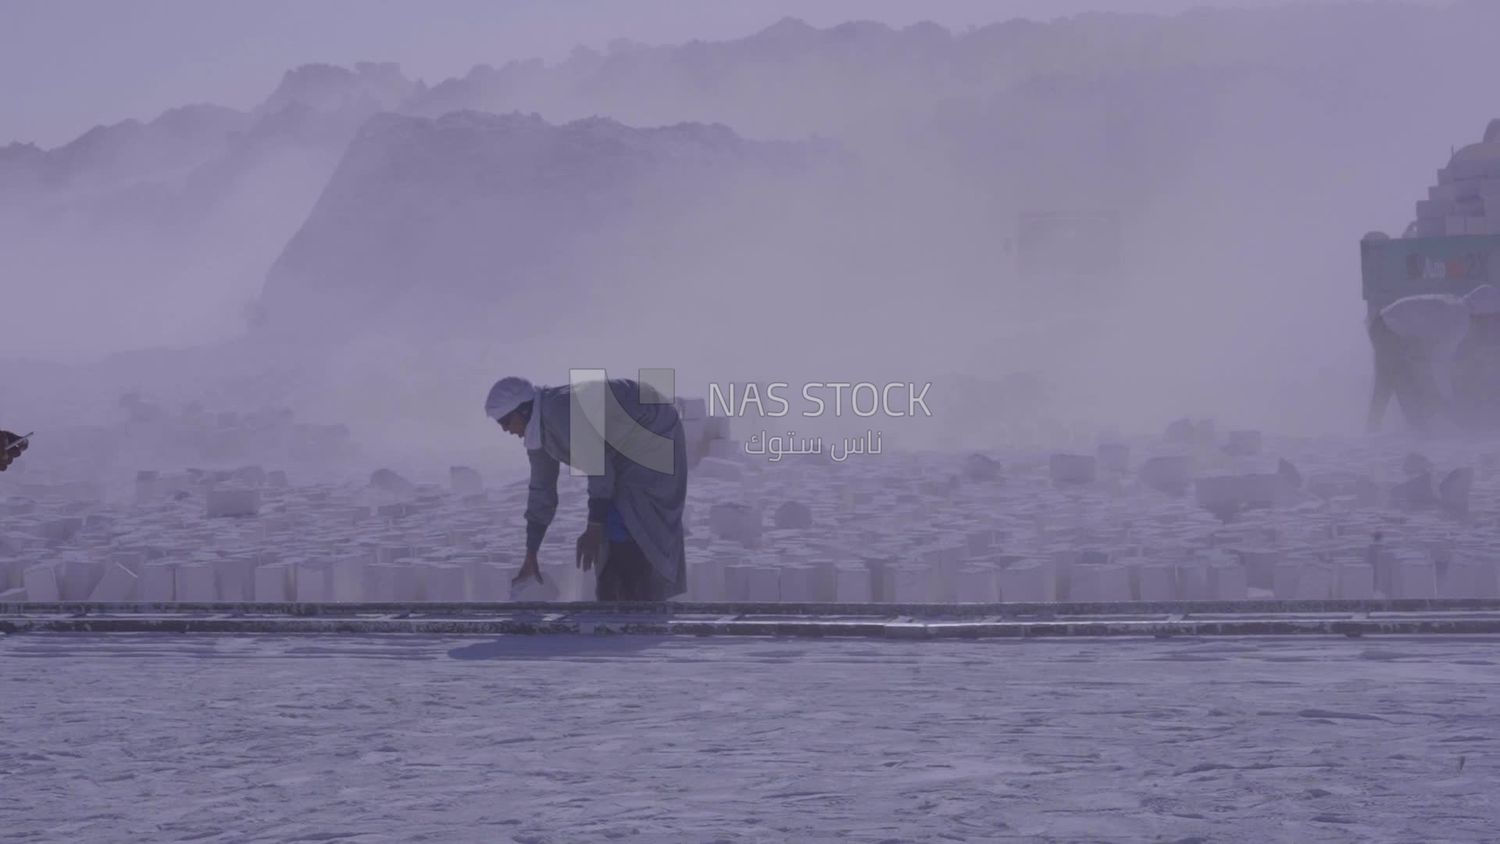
(891, 621)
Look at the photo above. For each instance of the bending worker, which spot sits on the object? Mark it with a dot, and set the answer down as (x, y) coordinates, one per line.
(630, 442)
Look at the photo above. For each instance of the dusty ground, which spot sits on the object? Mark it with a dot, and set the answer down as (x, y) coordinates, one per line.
(568, 739)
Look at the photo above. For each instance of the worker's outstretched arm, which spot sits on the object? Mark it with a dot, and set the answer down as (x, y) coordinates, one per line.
(541, 506)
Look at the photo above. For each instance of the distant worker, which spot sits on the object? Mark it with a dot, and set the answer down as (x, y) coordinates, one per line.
(636, 492)
(1415, 340)
(11, 447)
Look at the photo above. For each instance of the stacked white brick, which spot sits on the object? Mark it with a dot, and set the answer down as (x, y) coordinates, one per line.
(1466, 198)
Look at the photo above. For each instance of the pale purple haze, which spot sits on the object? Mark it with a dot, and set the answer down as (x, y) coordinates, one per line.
(844, 208)
(262, 260)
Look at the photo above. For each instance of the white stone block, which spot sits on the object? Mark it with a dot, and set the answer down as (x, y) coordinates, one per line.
(236, 578)
(705, 580)
(977, 585)
(1113, 457)
(1169, 474)
(719, 469)
(225, 503)
(488, 582)
(407, 587)
(380, 582)
(565, 574)
(979, 541)
(882, 589)
(444, 583)
(1243, 443)
(1027, 582)
(1458, 580)
(1315, 583)
(824, 582)
(693, 431)
(1084, 584)
(910, 585)
(196, 583)
(1071, 469)
(1155, 582)
(942, 581)
(796, 584)
(1415, 578)
(1356, 581)
(737, 581)
(529, 591)
(1486, 578)
(1114, 583)
(852, 584)
(762, 584)
(273, 583)
(465, 481)
(116, 585)
(725, 449)
(716, 428)
(1385, 561)
(1227, 582)
(1192, 581)
(41, 583)
(310, 582)
(1099, 584)
(1227, 495)
(346, 578)
(792, 515)
(252, 476)
(735, 522)
(61, 530)
(77, 578)
(1284, 579)
(158, 583)
(1260, 566)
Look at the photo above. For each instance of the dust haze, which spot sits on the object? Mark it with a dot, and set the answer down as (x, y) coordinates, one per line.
(796, 201)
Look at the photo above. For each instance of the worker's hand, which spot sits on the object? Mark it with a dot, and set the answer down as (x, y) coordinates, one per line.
(11, 447)
(590, 542)
(529, 568)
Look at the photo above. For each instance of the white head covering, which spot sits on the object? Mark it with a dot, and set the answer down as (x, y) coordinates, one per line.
(508, 394)
(1484, 300)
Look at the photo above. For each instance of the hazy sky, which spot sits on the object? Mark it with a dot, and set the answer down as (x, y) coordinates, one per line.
(71, 64)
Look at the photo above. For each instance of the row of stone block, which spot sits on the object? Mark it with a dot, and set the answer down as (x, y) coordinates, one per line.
(360, 578)
(1458, 224)
(354, 578)
(1043, 580)
(868, 581)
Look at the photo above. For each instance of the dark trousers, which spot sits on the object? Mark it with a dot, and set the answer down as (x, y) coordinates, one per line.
(628, 576)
